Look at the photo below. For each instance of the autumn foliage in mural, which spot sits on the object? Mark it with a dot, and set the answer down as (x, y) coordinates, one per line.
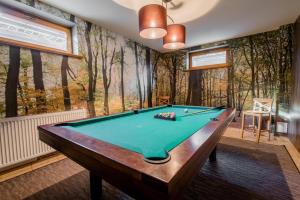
(117, 74)
(260, 67)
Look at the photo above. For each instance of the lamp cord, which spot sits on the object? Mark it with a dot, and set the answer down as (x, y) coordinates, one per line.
(166, 6)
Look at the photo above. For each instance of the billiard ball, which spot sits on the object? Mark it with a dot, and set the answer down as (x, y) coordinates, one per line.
(186, 110)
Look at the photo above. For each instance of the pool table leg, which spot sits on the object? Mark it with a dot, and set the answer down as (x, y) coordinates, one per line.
(213, 155)
(95, 186)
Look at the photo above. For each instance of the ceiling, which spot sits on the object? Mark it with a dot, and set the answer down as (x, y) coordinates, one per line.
(205, 20)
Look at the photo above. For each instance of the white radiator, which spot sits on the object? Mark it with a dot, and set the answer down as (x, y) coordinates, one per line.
(19, 141)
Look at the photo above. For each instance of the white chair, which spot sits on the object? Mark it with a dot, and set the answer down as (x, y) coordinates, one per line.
(163, 100)
(262, 107)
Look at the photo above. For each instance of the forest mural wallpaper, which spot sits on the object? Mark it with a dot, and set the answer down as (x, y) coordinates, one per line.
(117, 74)
(114, 75)
(261, 67)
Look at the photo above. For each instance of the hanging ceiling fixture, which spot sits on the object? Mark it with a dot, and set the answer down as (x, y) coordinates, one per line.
(153, 21)
(153, 25)
(175, 38)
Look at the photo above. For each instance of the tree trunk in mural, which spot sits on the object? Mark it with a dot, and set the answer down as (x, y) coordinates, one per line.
(41, 104)
(290, 45)
(188, 96)
(211, 89)
(106, 106)
(122, 79)
(271, 57)
(243, 103)
(251, 63)
(229, 95)
(285, 61)
(194, 90)
(24, 90)
(252, 66)
(173, 78)
(106, 68)
(155, 59)
(144, 93)
(73, 76)
(91, 98)
(138, 75)
(220, 96)
(232, 86)
(149, 85)
(23, 98)
(155, 75)
(64, 77)
(239, 95)
(64, 83)
(12, 80)
(257, 82)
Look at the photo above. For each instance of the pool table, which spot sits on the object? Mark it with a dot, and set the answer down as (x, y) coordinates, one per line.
(117, 148)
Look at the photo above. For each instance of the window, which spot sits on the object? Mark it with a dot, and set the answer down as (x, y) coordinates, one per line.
(208, 59)
(24, 30)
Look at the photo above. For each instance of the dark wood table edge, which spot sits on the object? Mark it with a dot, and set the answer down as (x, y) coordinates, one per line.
(136, 172)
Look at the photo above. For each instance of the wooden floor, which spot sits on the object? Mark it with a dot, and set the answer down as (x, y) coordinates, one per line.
(244, 170)
(233, 131)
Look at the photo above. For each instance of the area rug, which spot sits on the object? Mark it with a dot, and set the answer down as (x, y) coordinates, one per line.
(244, 170)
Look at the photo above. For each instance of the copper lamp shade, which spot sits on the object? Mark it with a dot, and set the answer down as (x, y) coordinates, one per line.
(153, 21)
(175, 38)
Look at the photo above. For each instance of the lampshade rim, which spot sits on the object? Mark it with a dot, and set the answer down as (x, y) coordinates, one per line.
(163, 31)
(181, 45)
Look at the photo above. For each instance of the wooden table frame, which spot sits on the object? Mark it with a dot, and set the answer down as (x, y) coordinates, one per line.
(128, 171)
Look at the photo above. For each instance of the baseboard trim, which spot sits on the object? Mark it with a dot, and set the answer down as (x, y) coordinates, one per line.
(28, 167)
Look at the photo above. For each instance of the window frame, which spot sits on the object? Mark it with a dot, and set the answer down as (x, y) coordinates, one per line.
(45, 22)
(213, 66)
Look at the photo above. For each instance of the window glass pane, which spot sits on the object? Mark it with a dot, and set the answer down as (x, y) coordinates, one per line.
(214, 58)
(25, 30)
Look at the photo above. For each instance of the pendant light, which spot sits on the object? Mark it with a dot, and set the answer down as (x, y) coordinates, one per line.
(175, 38)
(153, 21)
(153, 25)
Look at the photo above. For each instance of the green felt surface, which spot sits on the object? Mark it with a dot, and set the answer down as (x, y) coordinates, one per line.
(143, 133)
